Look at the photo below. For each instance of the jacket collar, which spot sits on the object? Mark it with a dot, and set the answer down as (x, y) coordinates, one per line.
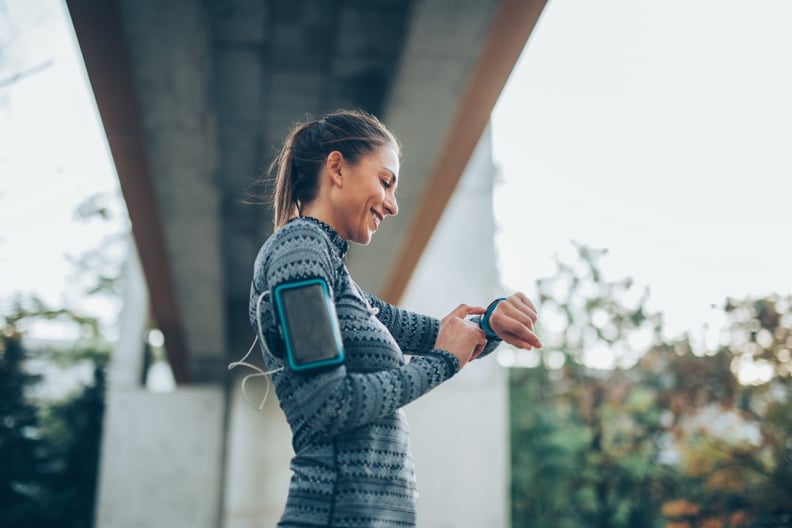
(336, 239)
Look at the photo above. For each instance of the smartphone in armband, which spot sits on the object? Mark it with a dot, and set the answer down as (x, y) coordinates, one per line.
(309, 325)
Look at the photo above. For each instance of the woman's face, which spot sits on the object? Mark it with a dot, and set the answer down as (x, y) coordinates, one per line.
(367, 194)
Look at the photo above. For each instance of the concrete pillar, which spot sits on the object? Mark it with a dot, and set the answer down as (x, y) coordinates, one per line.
(161, 459)
(126, 365)
(460, 431)
(257, 461)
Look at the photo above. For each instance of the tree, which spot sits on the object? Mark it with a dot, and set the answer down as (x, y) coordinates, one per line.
(8, 23)
(49, 449)
(638, 444)
(600, 427)
(737, 466)
(73, 429)
(21, 448)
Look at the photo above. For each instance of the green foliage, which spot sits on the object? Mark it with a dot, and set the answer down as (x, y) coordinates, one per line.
(663, 436)
(48, 449)
(728, 473)
(98, 271)
(72, 428)
(21, 448)
(546, 447)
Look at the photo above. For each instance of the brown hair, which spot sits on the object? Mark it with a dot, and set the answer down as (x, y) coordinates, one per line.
(353, 133)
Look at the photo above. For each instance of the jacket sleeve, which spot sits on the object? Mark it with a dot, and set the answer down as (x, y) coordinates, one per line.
(416, 333)
(335, 401)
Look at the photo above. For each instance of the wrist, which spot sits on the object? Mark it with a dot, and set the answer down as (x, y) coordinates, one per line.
(484, 322)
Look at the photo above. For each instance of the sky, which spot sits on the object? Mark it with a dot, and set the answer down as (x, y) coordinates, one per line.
(661, 131)
(658, 130)
(53, 156)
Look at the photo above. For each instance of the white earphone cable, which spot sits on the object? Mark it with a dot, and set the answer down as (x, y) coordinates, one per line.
(259, 372)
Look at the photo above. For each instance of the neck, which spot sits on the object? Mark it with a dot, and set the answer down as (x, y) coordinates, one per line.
(324, 214)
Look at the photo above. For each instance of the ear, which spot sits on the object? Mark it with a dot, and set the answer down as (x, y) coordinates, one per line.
(334, 165)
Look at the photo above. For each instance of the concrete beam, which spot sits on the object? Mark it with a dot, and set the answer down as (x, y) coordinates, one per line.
(100, 34)
(439, 128)
(171, 62)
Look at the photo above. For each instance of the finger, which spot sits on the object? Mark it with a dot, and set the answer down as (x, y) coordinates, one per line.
(516, 330)
(519, 303)
(463, 310)
(523, 341)
(513, 322)
(521, 313)
(517, 342)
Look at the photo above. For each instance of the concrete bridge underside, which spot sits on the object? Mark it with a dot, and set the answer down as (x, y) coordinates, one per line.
(195, 96)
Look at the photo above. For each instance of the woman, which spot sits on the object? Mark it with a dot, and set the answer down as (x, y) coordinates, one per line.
(336, 181)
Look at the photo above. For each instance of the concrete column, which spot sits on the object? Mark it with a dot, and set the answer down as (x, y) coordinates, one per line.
(460, 431)
(257, 461)
(126, 366)
(161, 459)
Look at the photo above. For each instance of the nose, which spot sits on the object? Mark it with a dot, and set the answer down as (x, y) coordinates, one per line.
(391, 205)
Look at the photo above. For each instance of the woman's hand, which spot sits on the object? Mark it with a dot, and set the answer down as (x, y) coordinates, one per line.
(459, 336)
(513, 321)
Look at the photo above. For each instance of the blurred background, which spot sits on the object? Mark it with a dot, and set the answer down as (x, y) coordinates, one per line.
(626, 164)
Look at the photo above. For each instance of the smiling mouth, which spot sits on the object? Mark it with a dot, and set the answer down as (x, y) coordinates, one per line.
(377, 219)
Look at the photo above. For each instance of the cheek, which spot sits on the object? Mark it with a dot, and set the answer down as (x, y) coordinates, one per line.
(375, 194)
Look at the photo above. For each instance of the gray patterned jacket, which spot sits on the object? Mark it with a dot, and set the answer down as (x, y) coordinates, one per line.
(352, 465)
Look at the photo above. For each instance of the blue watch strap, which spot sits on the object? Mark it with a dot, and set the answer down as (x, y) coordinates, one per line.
(484, 321)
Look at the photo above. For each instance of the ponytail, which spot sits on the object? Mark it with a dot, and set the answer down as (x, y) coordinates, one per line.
(286, 205)
(299, 163)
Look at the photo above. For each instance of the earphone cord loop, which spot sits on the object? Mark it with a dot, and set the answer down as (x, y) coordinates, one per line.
(258, 327)
(259, 372)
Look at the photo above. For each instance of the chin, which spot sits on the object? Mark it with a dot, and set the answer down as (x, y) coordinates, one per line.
(363, 239)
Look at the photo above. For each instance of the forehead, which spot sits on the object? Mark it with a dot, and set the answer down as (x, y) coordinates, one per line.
(385, 157)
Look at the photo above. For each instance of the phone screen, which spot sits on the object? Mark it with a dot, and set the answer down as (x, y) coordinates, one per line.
(310, 326)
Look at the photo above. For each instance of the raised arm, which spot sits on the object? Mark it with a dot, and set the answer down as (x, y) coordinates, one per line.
(416, 333)
(332, 402)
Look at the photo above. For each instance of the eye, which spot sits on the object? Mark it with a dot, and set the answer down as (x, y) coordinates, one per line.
(386, 183)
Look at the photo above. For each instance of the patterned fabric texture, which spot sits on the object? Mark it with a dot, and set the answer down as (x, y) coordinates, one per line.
(352, 466)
